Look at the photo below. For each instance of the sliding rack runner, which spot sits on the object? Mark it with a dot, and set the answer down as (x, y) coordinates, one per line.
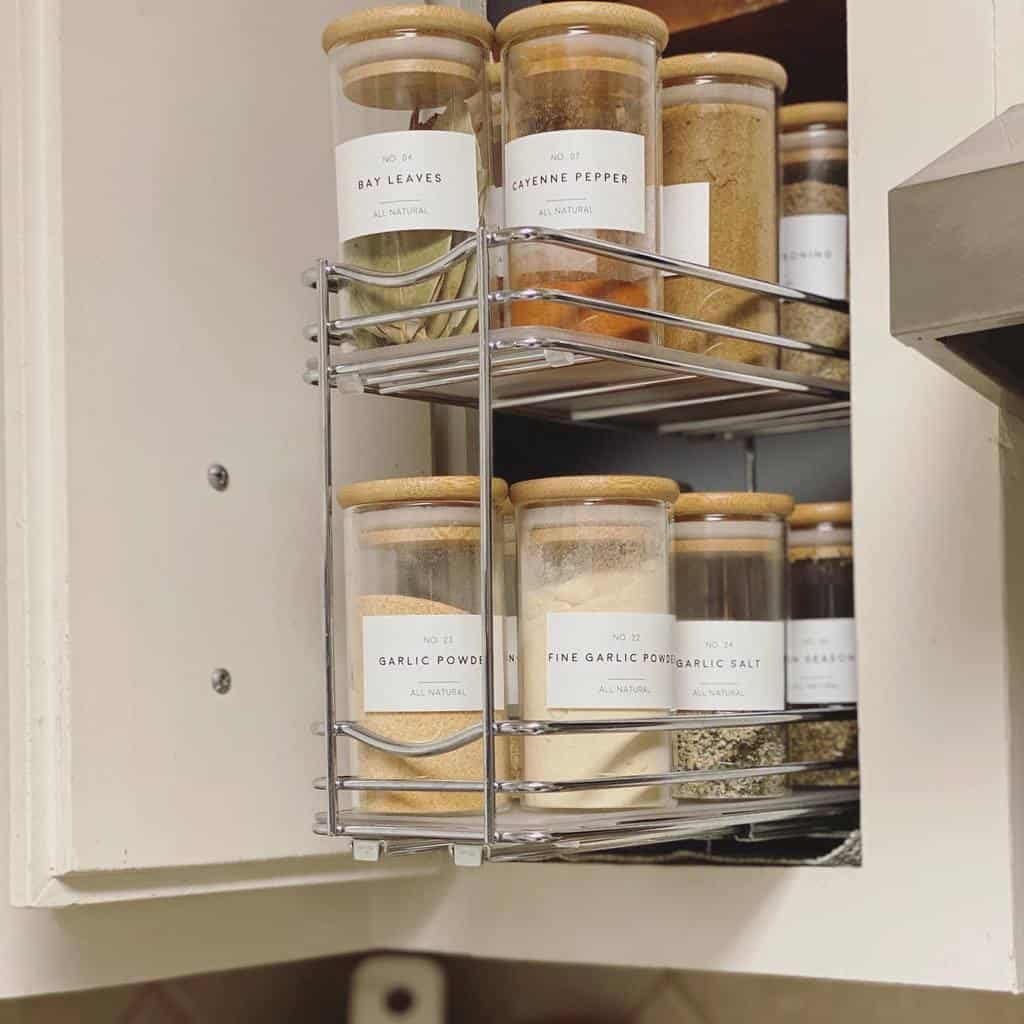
(576, 378)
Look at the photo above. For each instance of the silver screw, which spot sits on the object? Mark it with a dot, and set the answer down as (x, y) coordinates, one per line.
(217, 476)
(220, 680)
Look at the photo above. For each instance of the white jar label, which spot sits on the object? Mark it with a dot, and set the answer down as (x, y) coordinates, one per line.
(427, 663)
(393, 181)
(731, 666)
(610, 660)
(580, 178)
(494, 217)
(821, 661)
(512, 659)
(686, 222)
(812, 253)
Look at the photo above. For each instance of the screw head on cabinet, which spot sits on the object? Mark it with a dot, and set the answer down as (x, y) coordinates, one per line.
(217, 476)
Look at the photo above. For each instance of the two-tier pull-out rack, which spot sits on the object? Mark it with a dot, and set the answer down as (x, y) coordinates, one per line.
(578, 378)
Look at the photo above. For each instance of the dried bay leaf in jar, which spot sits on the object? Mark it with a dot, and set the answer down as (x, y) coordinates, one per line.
(728, 556)
(595, 630)
(821, 654)
(813, 236)
(581, 154)
(720, 195)
(415, 655)
(412, 163)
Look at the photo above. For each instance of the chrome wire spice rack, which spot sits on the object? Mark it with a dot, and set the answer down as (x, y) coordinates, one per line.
(577, 378)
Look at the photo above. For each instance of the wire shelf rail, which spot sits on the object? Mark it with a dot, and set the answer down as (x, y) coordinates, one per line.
(587, 379)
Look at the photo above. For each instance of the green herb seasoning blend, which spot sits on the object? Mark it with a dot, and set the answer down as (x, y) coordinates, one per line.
(411, 159)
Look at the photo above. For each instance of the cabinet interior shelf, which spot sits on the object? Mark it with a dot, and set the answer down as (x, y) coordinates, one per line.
(527, 834)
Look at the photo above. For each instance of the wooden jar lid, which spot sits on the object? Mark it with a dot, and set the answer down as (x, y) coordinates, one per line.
(619, 19)
(409, 84)
(815, 513)
(795, 116)
(422, 536)
(423, 18)
(418, 488)
(494, 75)
(765, 546)
(739, 503)
(576, 488)
(592, 533)
(734, 65)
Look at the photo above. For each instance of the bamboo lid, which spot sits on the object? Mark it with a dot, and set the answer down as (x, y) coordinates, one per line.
(750, 503)
(820, 553)
(408, 84)
(494, 74)
(569, 488)
(622, 19)
(587, 72)
(803, 115)
(737, 65)
(418, 488)
(732, 545)
(422, 536)
(425, 18)
(813, 513)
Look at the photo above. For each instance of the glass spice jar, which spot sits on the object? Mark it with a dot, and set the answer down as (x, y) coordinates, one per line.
(411, 162)
(581, 154)
(728, 554)
(494, 214)
(720, 194)
(412, 592)
(813, 231)
(595, 629)
(511, 630)
(821, 659)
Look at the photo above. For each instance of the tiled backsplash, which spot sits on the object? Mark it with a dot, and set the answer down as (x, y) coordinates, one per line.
(498, 992)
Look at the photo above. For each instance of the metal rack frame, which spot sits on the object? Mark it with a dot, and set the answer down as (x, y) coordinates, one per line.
(464, 371)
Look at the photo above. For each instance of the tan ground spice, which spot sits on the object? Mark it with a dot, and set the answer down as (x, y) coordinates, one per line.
(824, 741)
(808, 323)
(732, 146)
(465, 763)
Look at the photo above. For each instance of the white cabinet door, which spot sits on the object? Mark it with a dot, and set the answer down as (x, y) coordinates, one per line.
(167, 176)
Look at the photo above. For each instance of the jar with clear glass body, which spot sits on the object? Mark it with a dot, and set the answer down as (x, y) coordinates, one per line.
(720, 195)
(595, 629)
(821, 657)
(813, 238)
(415, 656)
(511, 633)
(412, 163)
(495, 206)
(728, 556)
(581, 154)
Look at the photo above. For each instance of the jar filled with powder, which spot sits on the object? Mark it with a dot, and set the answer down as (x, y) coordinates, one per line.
(813, 237)
(728, 555)
(415, 651)
(411, 160)
(581, 154)
(720, 194)
(595, 629)
(821, 657)
(511, 629)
